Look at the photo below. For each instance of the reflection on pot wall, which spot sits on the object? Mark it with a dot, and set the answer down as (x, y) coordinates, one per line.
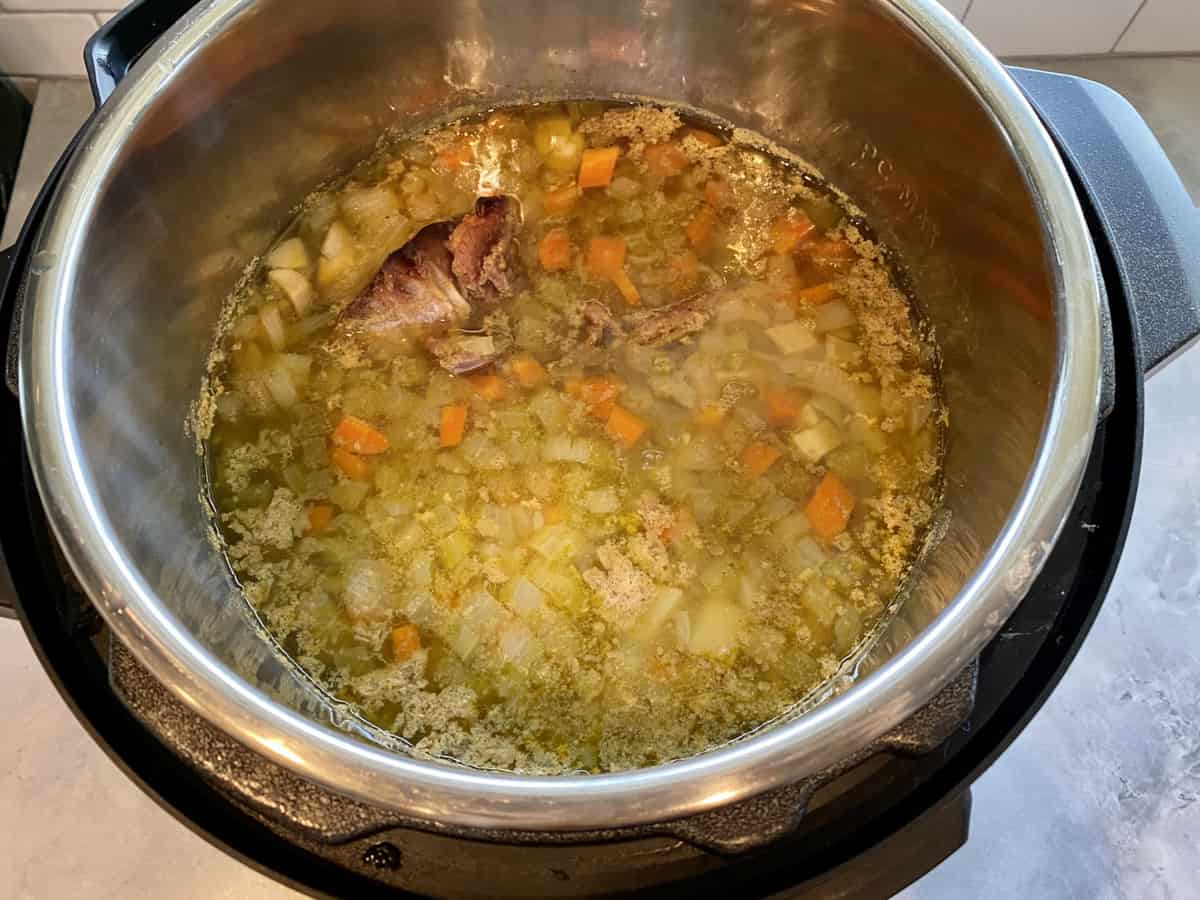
(38, 39)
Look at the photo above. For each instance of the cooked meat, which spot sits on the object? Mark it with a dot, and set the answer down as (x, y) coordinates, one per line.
(484, 253)
(668, 324)
(412, 291)
(599, 324)
(461, 353)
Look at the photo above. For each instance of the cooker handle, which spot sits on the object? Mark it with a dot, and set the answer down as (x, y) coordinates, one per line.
(114, 49)
(1135, 197)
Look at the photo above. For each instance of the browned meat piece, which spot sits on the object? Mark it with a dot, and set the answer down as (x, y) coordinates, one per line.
(667, 324)
(485, 260)
(461, 353)
(599, 325)
(412, 291)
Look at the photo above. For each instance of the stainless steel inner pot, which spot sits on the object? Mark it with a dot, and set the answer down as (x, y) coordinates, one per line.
(244, 107)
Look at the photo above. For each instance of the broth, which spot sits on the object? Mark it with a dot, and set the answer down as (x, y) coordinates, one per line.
(572, 438)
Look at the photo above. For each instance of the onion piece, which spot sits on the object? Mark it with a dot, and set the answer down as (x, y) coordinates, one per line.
(280, 386)
(832, 316)
(272, 324)
(295, 285)
(289, 254)
(337, 241)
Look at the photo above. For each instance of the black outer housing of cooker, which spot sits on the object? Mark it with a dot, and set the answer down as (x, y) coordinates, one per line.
(872, 834)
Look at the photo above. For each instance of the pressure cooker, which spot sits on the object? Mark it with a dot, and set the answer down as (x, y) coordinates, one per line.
(1041, 229)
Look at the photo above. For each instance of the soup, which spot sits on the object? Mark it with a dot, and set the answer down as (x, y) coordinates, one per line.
(572, 438)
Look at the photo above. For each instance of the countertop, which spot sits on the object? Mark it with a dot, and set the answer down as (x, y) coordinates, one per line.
(1097, 799)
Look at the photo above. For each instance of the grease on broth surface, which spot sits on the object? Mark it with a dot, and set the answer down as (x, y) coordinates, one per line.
(607, 469)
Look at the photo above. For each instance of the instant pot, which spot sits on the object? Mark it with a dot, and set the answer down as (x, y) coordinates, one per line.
(1035, 220)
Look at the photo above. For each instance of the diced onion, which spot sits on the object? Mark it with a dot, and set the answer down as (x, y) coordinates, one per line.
(280, 386)
(526, 597)
(792, 338)
(295, 285)
(516, 643)
(272, 324)
(564, 448)
(367, 590)
(289, 254)
(337, 241)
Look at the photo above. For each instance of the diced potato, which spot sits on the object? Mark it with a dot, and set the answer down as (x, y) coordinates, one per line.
(524, 597)
(813, 443)
(832, 316)
(716, 629)
(842, 352)
(601, 502)
(289, 254)
(454, 548)
(809, 415)
(821, 601)
(349, 494)
(664, 604)
(792, 337)
(555, 542)
(368, 589)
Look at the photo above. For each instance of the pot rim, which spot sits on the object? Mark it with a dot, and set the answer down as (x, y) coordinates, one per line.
(432, 791)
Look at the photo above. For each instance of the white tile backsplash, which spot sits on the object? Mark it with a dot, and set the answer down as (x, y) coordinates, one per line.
(1164, 26)
(47, 44)
(60, 5)
(1049, 27)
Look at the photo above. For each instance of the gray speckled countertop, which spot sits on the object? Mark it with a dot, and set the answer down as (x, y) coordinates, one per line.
(1097, 799)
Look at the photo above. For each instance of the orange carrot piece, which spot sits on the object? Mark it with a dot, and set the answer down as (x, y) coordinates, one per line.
(627, 288)
(829, 509)
(599, 394)
(406, 641)
(685, 271)
(455, 156)
(319, 517)
(561, 200)
(359, 436)
(718, 193)
(489, 385)
(683, 524)
(353, 467)
(788, 231)
(757, 458)
(707, 138)
(553, 514)
(700, 229)
(596, 166)
(782, 406)
(554, 250)
(453, 425)
(624, 427)
(815, 295)
(606, 256)
(665, 159)
(710, 415)
(527, 370)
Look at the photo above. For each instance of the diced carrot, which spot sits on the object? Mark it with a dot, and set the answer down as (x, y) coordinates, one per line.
(596, 166)
(453, 425)
(554, 250)
(561, 200)
(782, 406)
(815, 295)
(757, 458)
(319, 517)
(527, 370)
(710, 414)
(599, 394)
(700, 229)
(707, 138)
(488, 385)
(665, 159)
(553, 513)
(353, 467)
(829, 509)
(718, 193)
(788, 231)
(624, 427)
(627, 288)
(406, 641)
(359, 436)
(685, 271)
(455, 156)
(606, 256)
